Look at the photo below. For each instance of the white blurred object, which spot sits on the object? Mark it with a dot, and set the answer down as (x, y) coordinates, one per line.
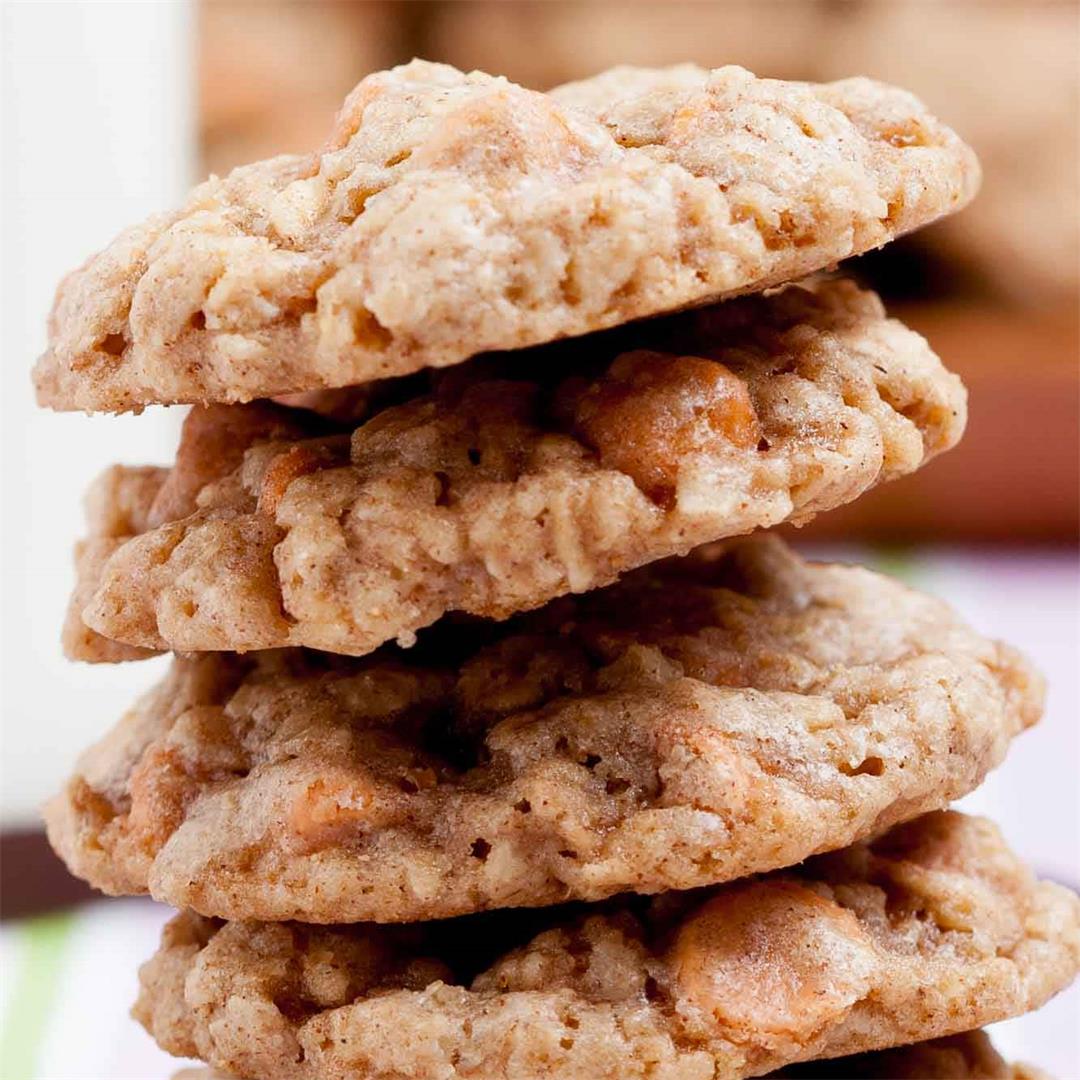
(98, 132)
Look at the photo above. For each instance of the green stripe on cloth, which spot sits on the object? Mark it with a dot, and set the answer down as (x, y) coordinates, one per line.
(32, 991)
(898, 562)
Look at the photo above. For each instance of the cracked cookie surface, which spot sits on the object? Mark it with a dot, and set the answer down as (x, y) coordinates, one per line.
(706, 718)
(451, 214)
(932, 929)
(498, 486)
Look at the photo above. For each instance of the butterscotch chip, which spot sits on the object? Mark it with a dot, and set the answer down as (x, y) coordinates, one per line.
(704, 719)
(450, 214)
(933, 929)
(970, 1056)
(509, 483)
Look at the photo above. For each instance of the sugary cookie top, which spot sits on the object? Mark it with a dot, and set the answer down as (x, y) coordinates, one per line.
(704, 719)
(932, 929)
(504, 482)
(449, 214)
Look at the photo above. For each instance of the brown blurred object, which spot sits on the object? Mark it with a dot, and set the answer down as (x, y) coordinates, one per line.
(272, 73)
(1006, 75)
(542, 43)
(33, 880)
(1015, 477)
(995, 289)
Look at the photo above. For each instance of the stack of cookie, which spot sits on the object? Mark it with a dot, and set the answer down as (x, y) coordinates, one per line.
(487, 751)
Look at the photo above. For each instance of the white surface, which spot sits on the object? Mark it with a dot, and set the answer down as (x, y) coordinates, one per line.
(97, 133)
(116, 937)
(90, 1034)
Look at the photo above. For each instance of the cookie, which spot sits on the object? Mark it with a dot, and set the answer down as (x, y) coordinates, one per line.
(515, 481)
(451, 214)
(706, 718)
(970, 1056)
(932, 929)
(117, 506)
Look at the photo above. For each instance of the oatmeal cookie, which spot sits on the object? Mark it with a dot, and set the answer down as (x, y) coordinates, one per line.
(706, 718)
(451, 214)
(934, 928)
(507, 484)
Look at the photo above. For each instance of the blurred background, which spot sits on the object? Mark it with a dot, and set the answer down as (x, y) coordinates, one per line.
(111, 110)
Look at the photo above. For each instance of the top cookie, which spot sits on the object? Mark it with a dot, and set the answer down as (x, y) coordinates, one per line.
(450, 214)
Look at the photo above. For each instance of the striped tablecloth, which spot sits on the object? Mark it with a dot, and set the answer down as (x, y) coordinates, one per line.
(67, 981)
